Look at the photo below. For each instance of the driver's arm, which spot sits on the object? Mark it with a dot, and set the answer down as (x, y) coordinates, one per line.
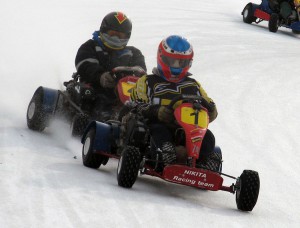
(87, 63)
(138, 59)
(212, 109)
(140, 96)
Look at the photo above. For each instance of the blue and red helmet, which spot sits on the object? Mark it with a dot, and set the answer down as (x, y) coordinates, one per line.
(174, 58)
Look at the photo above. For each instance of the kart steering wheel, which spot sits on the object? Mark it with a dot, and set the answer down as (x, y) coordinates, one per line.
(123, 71)
(187, 97)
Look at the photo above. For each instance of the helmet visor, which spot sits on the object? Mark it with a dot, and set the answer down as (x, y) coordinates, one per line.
(113, 42)
(121, 35)
(175, 63)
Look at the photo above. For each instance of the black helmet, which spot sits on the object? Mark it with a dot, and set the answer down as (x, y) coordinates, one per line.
(116, 21)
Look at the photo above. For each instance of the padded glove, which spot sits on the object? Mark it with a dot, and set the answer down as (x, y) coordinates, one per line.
(165, 114)
(107, 80)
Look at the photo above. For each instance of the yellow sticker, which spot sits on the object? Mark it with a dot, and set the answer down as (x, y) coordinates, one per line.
(190, 116)
(127, 87)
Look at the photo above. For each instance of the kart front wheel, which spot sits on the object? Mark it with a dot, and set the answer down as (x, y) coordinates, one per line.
(248, 14)
(89, 158)
(274, 22)
(247, 190)
(128, 166)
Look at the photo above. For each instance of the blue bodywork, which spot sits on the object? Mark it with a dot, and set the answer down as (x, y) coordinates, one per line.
(264, 6)
(295, 26)
(106, 134)
(50, 97)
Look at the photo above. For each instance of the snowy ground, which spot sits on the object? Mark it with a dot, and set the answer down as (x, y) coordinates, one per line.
(252, 75)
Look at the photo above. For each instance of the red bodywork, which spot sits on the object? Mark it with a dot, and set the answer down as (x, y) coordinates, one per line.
(262, 15)
(190, 175)
(193, 132)
(193, 177)
(125, 86)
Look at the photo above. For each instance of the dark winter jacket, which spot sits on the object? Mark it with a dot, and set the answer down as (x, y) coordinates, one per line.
(278, 6)
(152, 91)
(93, 59)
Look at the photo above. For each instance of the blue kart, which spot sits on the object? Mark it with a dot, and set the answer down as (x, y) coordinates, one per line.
(266, 12)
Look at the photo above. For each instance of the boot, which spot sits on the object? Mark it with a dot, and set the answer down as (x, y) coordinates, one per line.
(181, 155)
(168, 153)
(212, 162)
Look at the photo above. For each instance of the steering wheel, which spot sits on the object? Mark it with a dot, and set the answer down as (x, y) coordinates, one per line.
(192, 99)
(123, 71)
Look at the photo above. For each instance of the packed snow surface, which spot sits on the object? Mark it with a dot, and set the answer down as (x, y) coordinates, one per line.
(252, 75)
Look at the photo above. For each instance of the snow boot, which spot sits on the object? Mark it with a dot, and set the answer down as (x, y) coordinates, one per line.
(212, 162)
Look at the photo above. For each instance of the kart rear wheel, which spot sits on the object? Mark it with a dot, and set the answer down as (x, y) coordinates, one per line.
(128, 166)
(274, 22)
(89, 158)
(248, 14)
(295, 31)
(36, 116)
(247, 190)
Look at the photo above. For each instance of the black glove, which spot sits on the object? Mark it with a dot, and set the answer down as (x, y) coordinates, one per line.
(165, 114)
(210, 106)
(107, 80)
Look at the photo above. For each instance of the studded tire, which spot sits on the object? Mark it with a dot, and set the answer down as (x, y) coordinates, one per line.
(273, 22)
(295, 31)
(89, 158)
(248, 14)
(218, 154)
(247, 185)
(36, 116)
(128, 166)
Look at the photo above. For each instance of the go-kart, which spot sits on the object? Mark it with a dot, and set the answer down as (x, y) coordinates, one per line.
(265, 12)
(129, 141)
(74, 104)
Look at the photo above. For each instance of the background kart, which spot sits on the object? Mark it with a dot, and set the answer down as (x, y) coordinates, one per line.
(258, 13)
(129, 141)
(47, 104)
